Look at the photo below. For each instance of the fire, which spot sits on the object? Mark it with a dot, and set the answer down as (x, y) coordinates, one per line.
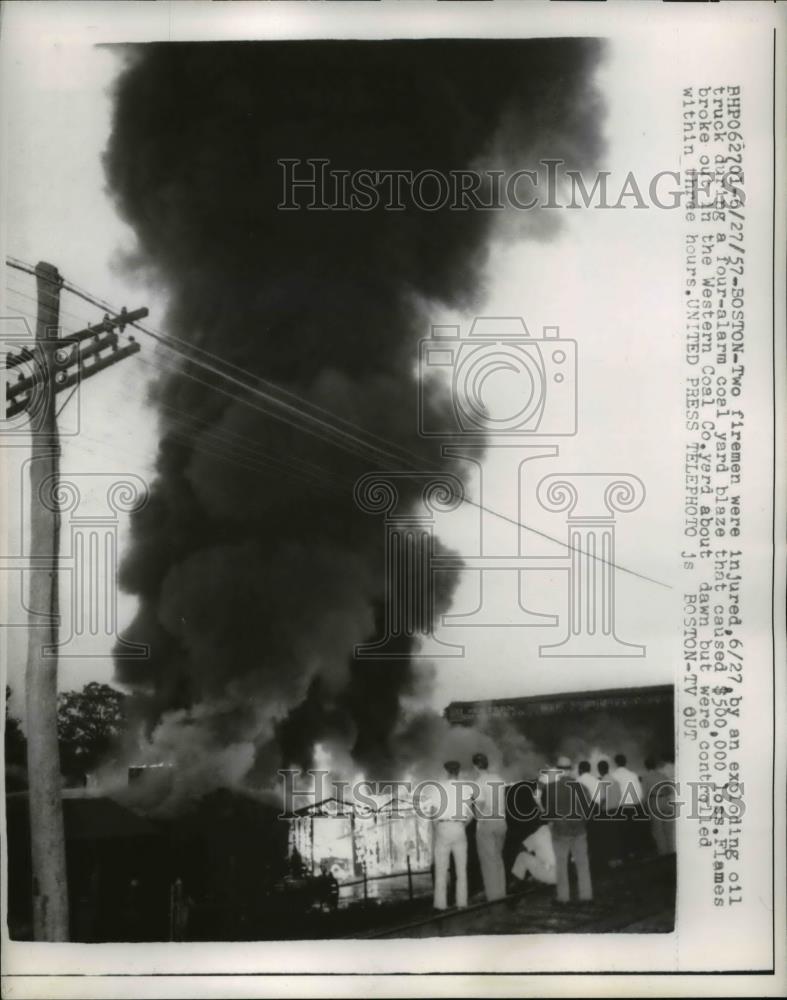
(352, 842)
(323, 758)
(355, 840)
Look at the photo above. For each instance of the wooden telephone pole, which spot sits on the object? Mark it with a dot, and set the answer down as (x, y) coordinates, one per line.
(50, 893)
(53, 359)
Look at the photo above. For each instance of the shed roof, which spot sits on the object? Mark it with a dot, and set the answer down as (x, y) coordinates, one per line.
(88, 817)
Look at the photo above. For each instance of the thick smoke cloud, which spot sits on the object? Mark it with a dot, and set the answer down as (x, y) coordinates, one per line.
(255, 571)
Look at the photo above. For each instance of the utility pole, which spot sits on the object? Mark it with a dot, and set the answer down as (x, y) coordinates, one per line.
(50, 891)
(53, 358)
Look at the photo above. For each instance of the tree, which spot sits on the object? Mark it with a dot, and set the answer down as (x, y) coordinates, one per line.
(89, 723)
(15, 743)
(15, 750)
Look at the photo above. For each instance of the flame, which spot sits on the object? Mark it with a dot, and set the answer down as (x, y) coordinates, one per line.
(322, 757)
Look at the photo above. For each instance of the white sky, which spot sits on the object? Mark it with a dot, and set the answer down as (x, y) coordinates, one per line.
(596, 281)
(58, 120)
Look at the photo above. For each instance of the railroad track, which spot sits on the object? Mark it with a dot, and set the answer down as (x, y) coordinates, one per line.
(637, 897)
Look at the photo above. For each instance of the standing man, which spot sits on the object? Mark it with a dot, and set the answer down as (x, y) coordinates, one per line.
(609, 816)
(450, 817)
(659, 799)
(490, 835)
(595, 837)
(630, 805)
(628, 782)
(565, 805)
(589, 780)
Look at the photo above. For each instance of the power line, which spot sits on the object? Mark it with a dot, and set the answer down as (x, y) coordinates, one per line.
(327, 429)
(300, 466)
(348, 434)
(31, 298)
(304, 471)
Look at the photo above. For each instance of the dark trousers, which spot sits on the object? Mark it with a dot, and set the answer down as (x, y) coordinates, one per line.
(596, 846)
(608, 830)
(635, 830)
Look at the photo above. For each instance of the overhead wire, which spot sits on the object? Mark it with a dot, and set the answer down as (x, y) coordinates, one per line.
(242, 454)
(302, 409)
(306, 468)
(308, 422)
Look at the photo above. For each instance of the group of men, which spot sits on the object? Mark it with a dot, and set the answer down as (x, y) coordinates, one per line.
(452, 815)
(629, 811)
(596, 820)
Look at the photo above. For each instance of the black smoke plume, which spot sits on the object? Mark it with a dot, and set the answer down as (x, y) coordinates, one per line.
(255, 571)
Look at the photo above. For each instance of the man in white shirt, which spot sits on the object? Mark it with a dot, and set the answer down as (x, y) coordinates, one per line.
(628, 782)
(658, 794)
(589, 780)
(451, 814)
(630, 805)
(490, 835)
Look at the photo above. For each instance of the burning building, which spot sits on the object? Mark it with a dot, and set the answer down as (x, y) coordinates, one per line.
(354, 842)
(403, 837)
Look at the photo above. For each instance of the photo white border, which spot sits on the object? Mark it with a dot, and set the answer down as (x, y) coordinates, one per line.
(234, 969)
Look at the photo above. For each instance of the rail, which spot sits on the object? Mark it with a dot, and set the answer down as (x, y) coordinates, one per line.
(366, 879)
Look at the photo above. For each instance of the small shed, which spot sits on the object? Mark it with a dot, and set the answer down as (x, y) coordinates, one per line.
(353, 840)
(116, 864)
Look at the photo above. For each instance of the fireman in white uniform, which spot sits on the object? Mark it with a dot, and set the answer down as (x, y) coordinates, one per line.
(451, 814)
(490, 836)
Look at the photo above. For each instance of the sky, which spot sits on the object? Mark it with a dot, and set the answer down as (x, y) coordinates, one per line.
(57, 120)
(595, 281)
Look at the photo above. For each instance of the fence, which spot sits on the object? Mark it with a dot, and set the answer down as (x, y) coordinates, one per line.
(407, 873)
